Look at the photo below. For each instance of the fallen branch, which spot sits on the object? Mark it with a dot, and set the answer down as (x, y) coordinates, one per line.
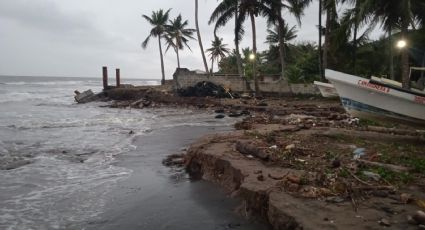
(358, 179)
(391, 167)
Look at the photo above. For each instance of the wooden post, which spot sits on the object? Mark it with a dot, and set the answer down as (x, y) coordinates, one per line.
(105, 77)
(117, 75)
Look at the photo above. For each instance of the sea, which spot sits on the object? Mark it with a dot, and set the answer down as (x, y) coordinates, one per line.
(65, 165)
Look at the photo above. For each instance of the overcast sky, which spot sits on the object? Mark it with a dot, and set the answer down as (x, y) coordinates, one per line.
(78, 37)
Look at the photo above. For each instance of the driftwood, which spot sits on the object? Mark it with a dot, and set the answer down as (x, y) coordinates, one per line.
(251, 148)
(394, 168)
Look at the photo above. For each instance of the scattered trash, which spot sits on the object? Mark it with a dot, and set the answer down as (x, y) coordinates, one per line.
(273, 147)
(372, 175)
(358, 153)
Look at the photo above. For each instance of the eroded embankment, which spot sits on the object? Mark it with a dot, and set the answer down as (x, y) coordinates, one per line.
(297, 197)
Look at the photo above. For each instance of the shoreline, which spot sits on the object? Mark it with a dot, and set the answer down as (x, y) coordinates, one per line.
(269, 169)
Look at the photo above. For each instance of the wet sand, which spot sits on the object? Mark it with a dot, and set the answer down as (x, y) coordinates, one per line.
(158, 197)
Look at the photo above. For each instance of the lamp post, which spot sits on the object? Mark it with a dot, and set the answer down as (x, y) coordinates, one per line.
(252, 58)
(401, 44)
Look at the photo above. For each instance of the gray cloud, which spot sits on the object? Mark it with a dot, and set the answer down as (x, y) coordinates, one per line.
(78, 37)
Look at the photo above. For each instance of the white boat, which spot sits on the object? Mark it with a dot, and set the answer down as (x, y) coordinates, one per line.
(366, 98)
(326, 89)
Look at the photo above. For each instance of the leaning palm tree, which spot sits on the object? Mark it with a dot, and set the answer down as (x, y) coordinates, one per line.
(400, 14)
(199, 37)
(178, 36)
(158, 21)
(277, 38)
(217, 51)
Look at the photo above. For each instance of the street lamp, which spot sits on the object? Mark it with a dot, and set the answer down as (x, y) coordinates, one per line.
(252, 57)
(401, 44)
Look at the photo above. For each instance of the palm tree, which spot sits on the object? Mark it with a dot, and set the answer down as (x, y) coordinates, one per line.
(274, 17)
(399, 14)
(178, 35)
(322, 76)
(221, 15)
(158, 20)
(217, 51)
(285, 35)
(329, 7)
(199, 37)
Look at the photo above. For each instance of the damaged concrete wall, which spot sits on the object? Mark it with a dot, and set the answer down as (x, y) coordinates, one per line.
(184, 78)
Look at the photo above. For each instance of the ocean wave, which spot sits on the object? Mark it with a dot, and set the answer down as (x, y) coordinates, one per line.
(48, 83)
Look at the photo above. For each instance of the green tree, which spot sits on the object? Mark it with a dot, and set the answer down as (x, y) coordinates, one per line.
(280, 37)
(158, 21)
(217, 51)
(178, 35)
(221, 15)
(400, 14)
(275, 18)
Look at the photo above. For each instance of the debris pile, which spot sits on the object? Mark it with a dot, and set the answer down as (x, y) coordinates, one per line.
(205, 89)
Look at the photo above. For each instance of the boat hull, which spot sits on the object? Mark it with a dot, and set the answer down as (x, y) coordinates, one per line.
(361, 98)
(326, 89)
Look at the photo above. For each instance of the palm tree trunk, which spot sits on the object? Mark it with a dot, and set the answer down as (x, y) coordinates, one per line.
(212, 66)
(178, 58)
(199, 37)
(238, 55)
(320, 43)
(254, 50)
(390, 40)
(281, 45)
(355, 48)
(405, 58)
(162, 61)
(327, 38)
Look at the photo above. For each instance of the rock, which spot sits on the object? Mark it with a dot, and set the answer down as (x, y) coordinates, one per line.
(235, 114)
(405, 198)
(411, 221)
(251, 148)
(290, 147)
(84, 97)
(336, 163)
(293, 179)
(131, 132)
(260, 177)
(245, 112)
(385, 222)
(419, 217)
(220, 116)
(174, 160)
